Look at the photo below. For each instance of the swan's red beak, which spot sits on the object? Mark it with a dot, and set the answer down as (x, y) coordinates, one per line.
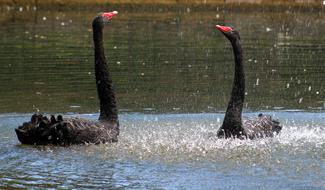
(109, 15)
(224, 29)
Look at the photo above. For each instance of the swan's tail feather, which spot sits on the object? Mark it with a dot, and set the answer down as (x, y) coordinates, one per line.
(42, 130)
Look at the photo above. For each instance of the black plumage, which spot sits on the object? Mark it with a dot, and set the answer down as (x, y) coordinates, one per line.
(41, 130)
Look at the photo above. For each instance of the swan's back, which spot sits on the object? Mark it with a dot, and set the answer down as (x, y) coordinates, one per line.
(41, 130)
(81, 131)
(262, 126)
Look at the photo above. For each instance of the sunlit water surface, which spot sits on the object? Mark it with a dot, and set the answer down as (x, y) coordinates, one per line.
(172, 151)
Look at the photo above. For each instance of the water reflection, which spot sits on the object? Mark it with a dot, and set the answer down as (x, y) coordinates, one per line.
(168, 61)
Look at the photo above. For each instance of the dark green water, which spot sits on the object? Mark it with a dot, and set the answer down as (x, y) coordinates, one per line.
(161, 61)
(169, 69)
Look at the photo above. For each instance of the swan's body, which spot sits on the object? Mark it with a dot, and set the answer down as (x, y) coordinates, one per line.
(234, 125)
(59, 131)
(41, 131)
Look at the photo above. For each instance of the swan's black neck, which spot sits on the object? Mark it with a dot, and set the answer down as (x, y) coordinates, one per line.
(108, 109)
(232, 124)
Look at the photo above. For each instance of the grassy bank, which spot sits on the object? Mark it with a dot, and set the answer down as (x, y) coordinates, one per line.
(167, 5)
(161, 2)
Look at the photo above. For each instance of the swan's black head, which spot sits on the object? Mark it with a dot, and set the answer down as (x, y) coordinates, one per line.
(103, 18)
(229, 32)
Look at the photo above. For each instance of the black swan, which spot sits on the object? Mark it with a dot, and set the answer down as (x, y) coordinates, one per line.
(234, 126)
(42, 130)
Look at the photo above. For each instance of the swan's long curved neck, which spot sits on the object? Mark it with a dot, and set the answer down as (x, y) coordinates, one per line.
(232, 121)
(106, 94)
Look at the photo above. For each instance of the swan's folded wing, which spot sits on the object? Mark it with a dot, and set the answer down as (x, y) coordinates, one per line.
(262, 126)
(86, 131)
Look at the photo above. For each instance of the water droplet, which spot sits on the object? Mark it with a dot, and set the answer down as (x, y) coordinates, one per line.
(217, 16)
(148, 109)
(21, 9)
(300, 100)
(62, 23)
(119, 63)
(288, 85)
(268, 29)
(176, 109)
(317, 92)
(115, 47)
(44, 18)
(142, 74)
(74, 106)
(257, 81)
(309, 88)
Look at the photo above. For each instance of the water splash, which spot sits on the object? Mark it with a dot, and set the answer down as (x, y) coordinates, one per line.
(152, 146)
(192, 137)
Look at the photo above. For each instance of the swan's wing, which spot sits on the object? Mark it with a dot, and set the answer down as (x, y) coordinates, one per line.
(262, 126)
(87, 131)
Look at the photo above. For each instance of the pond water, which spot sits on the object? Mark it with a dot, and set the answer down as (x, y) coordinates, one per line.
(171, 151)
(173, 74)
